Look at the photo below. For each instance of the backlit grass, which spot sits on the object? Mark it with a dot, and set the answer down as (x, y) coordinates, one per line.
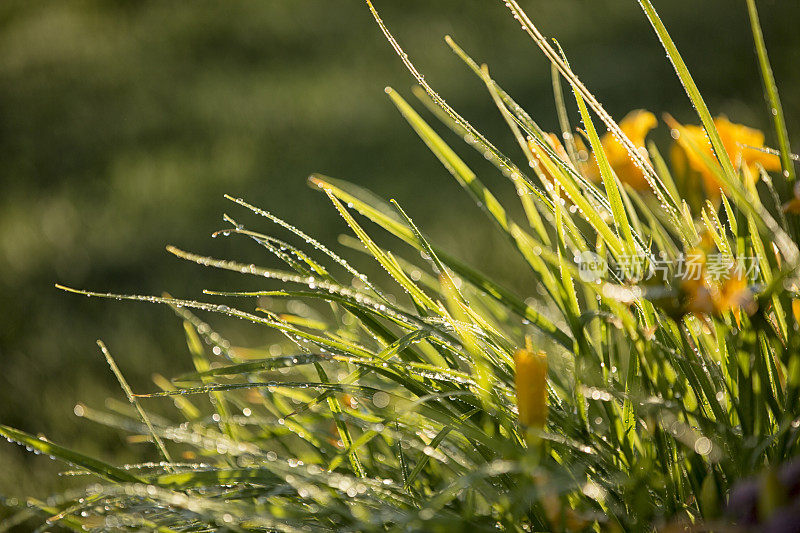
(657, 366)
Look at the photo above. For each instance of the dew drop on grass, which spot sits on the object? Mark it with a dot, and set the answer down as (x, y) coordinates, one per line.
(702, 445)
(380, 399)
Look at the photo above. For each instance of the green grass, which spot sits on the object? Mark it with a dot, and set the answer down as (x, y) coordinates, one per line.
(393, 404)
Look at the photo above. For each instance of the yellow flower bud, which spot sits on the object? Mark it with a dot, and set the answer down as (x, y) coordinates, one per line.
(531, 383)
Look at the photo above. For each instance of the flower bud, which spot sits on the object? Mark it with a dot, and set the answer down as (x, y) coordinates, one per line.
(531, 382)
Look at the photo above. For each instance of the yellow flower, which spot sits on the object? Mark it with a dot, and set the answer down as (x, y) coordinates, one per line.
(692, 154)
(733, 294)
(694, 284)
(636, 125)
(705, 296)
(531, 379)
(738, 139)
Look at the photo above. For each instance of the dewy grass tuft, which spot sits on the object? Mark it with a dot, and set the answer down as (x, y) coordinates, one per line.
(653, 378)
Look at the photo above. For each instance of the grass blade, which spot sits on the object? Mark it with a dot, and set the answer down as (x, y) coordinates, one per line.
(132, 398)
(99, 468)
(771, 93)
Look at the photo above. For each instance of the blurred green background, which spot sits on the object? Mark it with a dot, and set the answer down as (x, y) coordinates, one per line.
(123, 123)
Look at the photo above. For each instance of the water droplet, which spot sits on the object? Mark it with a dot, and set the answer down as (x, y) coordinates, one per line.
(380, 399)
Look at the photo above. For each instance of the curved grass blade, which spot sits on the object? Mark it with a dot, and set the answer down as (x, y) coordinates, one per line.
(433, 445)
(385, 259)
(729, 175)
(200, 361)
(396, 347)
(496, 291)
(198, 478)
(555, 58)
(531, 129)
(335, 387)
(312, 241)
(474, 133)
(337, 345)
(99, 468)
(771, 93)
(610, 182)
(132, 399)
(263, 365)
